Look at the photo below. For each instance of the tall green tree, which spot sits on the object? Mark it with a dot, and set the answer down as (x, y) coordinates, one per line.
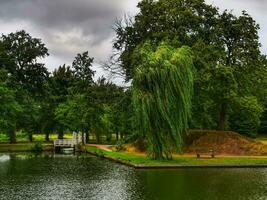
(122, 117)
(9, 108)
(106, 96)
(82, 69)
(224, 91)
(24, 51)
(61, 81)
(162, 91)
(246, 116)
(75, 114)
(26, 76)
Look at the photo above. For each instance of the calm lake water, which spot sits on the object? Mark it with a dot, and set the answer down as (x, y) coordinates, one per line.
(52, 177)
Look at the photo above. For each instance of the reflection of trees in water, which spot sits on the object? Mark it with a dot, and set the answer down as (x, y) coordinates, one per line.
(205, 184)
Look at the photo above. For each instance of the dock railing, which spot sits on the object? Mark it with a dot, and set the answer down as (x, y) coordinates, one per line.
(68, 142)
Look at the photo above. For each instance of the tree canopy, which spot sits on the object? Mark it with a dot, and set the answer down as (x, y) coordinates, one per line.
(225, 48)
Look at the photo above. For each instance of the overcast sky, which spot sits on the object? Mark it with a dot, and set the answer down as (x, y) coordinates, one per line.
(68, 27)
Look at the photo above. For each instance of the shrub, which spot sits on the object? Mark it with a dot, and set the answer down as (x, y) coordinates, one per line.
(37, 147)
(4, 137)
(246, 115)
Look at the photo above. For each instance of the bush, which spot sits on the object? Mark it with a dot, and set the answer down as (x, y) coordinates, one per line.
(37, 147)
(4, 137)
(246, 115)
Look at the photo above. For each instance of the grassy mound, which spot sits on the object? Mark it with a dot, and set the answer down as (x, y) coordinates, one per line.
(223, 142)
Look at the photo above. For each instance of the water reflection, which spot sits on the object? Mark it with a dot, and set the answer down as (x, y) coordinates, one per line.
(198, 184)
(56, 177)
(66, 177)
(4, 158)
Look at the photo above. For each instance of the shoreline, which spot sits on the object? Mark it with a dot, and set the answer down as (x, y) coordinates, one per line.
(140, 166)
(142, 162)
(92, 150)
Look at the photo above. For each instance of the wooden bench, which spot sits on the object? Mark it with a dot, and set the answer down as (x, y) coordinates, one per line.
(210, 154)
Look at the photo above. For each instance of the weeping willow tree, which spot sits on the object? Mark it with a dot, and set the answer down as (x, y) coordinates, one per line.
(162, 90)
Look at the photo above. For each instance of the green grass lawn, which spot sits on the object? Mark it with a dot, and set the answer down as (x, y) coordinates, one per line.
(144, 160)
(23, 137)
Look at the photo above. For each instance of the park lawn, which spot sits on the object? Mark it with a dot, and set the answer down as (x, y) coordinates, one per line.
(178, 160)
(23, 138)
(41, 137)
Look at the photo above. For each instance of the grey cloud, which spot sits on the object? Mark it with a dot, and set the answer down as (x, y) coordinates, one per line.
(66, 26)
(71, 26)
(256, 8)
(90, 16)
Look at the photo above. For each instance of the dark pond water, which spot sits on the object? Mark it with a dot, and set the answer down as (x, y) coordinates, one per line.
(51, 177)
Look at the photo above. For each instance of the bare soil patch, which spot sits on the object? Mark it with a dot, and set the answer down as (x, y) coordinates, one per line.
(223, 142)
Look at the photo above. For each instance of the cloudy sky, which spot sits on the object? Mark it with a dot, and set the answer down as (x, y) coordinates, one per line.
(68, 27)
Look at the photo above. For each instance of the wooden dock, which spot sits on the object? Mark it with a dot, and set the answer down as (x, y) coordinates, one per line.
(64, 143)
(67, 143)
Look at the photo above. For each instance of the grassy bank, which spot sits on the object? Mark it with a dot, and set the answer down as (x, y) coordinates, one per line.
(23, 147)
(142, 160)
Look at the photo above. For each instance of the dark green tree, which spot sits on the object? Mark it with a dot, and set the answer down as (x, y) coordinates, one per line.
(224, 91)
(9, 108)
(75, 114)
(82, 69)
(246, 116)
(105, 96)
(60, 83)
(24, 51)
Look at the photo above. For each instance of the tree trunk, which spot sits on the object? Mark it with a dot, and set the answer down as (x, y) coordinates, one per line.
(83, 138)
(109, 137)
(87, 137)
(12, 136)
(30, 138)
(222, 117)
(121, 136)
(61, 134)
(47, 137)
(117, 136)
(98, 138)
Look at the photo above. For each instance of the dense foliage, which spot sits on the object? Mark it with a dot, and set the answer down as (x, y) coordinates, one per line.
(162, 93)
(226, 54)
(68, 99)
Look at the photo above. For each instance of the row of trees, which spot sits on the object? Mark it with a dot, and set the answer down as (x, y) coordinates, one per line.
(36, 101)
(191, 66)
